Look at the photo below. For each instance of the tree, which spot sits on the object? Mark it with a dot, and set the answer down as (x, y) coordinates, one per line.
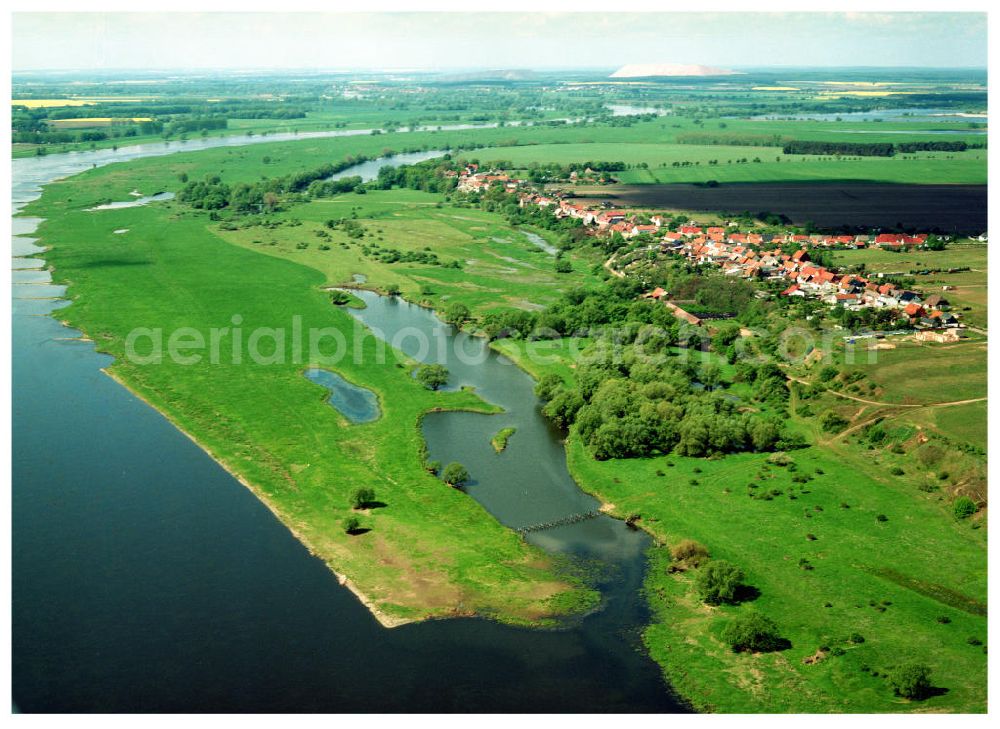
(433, 376)
(393, 290)
(456, 314)
(362, 497)
(719, 581)
(564, 266)
(752, 632)
(548, 386)
(910, 680)
(454, 474)
(352, 525)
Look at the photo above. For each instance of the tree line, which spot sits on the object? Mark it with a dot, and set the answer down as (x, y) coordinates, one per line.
(870, 149)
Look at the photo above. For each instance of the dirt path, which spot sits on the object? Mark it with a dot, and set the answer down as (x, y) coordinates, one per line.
(894, 404)
(609, 265)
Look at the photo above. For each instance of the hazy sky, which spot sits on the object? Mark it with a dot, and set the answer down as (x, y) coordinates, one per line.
(496, 40)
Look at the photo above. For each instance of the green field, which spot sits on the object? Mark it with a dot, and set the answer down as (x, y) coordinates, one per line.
(882, 580)
(917, 373)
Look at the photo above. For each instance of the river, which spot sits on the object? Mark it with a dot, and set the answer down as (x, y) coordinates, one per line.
(146, 578)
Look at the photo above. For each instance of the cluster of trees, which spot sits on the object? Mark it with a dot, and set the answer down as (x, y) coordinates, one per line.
(907, 147)
(735, 140)
(329, 188)
(426, 176)
(861, 149)
(394, 255)
(212, 194)
(870, 149)
(630, 404)
(196, 124)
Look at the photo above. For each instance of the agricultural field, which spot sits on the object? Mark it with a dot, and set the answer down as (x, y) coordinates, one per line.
(672, 163)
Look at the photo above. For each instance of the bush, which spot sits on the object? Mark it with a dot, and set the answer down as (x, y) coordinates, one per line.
(831, 422)
(352, 525)
(752, 632)
(690, 552)
(910, 680)
(719, 582)
(340, 298)
(454, 474)
(433, 376)
(964, 507)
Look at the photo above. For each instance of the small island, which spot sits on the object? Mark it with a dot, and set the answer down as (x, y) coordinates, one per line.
(499, 440)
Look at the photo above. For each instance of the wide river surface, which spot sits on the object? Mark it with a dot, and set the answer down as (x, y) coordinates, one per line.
(146, 578)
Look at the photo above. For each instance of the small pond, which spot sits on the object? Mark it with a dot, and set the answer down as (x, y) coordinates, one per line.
(357, 404)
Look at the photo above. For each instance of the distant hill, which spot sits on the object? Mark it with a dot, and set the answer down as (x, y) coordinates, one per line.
(637, 70)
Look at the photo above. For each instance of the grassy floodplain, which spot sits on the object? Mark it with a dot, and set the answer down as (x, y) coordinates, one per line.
(431, 548)
(498, 266)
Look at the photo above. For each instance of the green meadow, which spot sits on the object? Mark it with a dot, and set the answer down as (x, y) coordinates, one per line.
(826, 568)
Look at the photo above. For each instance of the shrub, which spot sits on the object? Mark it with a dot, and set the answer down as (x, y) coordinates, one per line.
(831, 422)
(964, 507)
(857, 638)
(943, 619)
(719, 581)
(454, 474)
(351, 525)
(690, 552)
(753, 632)
(910, 680)
(881, 518)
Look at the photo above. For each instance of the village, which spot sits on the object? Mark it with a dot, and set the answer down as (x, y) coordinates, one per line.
(748, 255)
